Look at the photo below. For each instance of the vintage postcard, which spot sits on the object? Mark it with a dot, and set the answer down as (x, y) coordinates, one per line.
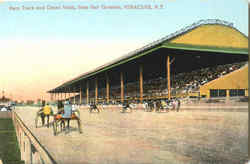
(124, 82)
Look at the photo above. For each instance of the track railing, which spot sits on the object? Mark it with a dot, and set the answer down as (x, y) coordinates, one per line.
(32, 152)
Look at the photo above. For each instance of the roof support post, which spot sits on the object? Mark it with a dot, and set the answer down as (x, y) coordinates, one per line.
(141, 83)
(74, 95)
(61, 96)
(107, 88)
(227, 94)
(51, 96)
(168, 77)
(122, 87)
(96, 90)
(65, 94)
(69, 94)
(87, 92)
(80, 93)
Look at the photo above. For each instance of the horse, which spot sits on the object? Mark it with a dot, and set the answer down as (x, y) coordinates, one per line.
(149, 107)
(59, 119)
(162, 105)
(93, 107)
(126, 107)
(176, 103)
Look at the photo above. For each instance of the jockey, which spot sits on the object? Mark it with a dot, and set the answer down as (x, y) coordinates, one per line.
(46, 111)
(67, 110)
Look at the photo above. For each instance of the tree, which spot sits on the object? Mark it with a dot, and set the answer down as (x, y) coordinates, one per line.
(39, 101)
(29, 102)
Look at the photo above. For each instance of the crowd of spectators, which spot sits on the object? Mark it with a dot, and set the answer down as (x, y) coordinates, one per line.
(189, 81)
(184, 82)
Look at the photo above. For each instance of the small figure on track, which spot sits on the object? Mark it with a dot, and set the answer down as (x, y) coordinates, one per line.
(93, 106)
(125, 107)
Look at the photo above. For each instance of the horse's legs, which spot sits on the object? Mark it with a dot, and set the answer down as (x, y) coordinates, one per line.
(48, 121)
(55, 126)
(79, 125)
(62, 124)
(68, 120)
(43, 119)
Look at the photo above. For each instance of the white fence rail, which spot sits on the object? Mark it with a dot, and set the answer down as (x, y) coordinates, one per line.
(32, 152)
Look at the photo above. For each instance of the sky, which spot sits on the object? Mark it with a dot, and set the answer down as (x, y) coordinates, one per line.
(43, 48)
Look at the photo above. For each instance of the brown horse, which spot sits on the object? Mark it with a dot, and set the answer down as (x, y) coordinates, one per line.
(59, 120)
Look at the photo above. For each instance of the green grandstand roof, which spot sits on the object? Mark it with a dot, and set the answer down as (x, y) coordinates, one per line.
(230, 50)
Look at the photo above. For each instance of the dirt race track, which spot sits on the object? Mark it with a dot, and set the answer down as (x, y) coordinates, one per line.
(111, 137)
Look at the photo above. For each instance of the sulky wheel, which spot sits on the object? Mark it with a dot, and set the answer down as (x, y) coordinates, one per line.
(55, 127)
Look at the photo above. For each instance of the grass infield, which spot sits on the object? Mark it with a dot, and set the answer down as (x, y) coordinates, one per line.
(9, 150)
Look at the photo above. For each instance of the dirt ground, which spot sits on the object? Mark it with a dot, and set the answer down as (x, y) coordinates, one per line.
(111, 137)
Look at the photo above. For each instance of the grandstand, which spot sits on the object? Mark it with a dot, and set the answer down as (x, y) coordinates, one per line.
(208, 58)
